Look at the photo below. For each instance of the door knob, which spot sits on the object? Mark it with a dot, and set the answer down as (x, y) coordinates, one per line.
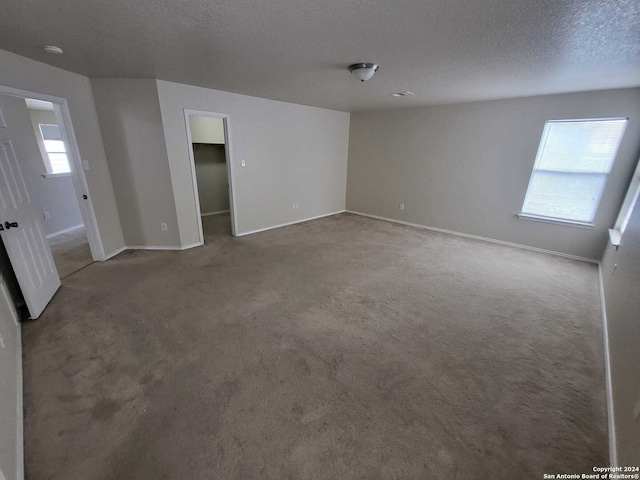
(9, 225)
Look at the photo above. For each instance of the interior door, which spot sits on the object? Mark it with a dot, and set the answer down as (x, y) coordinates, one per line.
(20, 227)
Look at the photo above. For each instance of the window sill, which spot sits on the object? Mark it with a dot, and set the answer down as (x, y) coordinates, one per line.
(615, 237)
(555, 221)
(57, 175)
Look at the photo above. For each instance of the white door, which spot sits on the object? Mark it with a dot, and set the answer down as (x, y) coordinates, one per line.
(21, 230)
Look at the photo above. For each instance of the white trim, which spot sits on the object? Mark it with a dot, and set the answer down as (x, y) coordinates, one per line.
(114, 253)
(556, 221)
(476, 237)
(208, 214)
(57, 175)
(158, 247)
(629, 201)
(66, 230)
(228, 145)
(251, 232)
(615, 237)
(191, 245)
(613, 454)
(152, 247)
(61, 109)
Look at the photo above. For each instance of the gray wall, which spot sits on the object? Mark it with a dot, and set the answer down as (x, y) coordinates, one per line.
(293, 153)
(22, 73)
(57, 195)
(131, 126)
(622, 300)
(211, 172)
(466, 167)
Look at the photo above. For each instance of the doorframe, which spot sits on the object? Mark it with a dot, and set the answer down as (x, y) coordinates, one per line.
(230, 170)
(61, 109)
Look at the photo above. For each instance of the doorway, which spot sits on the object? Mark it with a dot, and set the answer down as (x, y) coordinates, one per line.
(208, 138)
(51, 183)
(48, 227)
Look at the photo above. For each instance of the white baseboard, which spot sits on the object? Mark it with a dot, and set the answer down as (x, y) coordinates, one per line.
(214, 213)
(114, 253)
(191, 245)
(613, 453)
(250, 232)
(152, 247)
(66, 230)
(475, 237)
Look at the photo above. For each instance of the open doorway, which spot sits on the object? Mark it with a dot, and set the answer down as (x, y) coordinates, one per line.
(52, 185)
(48, 227)
(209, 153)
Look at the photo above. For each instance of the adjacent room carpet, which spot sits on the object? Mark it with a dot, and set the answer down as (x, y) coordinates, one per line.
(342, 348)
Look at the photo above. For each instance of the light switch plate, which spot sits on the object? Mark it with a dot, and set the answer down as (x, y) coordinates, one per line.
(3, 124)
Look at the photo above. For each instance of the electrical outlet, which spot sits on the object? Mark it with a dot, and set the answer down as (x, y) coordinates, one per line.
(296, 206)
(163, 226)
(85, 164)
(1, 341)
(243, 163)
(401, 206)
(46, 215)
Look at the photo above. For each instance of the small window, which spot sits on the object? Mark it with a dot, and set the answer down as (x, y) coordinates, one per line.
(57, 160)
(571, 169)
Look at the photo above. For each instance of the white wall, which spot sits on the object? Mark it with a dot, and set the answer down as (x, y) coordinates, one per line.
(623, 304)
(129, 115)
(56, 195)
(466, 167)
(211, 172)
(293, 153)
(23, 73)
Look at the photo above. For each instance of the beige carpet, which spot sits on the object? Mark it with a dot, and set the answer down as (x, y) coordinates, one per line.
(343, 348)
(71, 252)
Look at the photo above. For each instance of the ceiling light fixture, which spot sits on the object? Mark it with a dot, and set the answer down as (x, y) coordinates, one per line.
(402, 94)
(364, 71)
(53, 49)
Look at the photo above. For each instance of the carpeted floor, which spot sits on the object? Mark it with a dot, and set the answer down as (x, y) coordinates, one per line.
(71, 252)
(342, 348)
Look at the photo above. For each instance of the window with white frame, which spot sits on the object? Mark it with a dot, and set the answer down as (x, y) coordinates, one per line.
(56, 160)
(571, 169)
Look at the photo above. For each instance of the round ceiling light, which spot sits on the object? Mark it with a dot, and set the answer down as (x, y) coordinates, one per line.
(53, 49)
(364, 71)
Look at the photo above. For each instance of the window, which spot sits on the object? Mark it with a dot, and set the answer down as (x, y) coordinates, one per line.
(56, 160)
(571, 169)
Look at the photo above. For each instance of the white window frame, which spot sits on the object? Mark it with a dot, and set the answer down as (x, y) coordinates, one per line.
(564, 221)
(45, 155)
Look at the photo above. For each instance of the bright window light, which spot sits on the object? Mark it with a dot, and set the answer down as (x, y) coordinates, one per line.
(57, 160)
(571, 169)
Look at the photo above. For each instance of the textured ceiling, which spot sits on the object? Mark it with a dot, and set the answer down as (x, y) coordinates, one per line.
(444, 51)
